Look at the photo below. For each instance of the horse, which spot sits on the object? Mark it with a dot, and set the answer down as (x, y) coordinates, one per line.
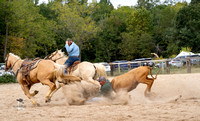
(45, 72)
(87, 71)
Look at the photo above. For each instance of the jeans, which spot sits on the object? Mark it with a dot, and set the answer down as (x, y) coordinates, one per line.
(70, 61)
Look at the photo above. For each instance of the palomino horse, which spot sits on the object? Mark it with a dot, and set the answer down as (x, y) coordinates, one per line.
(46, 72)
(85, 70)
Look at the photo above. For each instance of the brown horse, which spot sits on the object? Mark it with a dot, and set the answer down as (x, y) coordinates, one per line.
(46, 72)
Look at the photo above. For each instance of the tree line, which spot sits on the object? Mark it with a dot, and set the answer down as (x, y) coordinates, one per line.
(103, 33)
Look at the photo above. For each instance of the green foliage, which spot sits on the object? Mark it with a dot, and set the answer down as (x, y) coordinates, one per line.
(102, 32)
(193, 2)
(7, 79)
(101, 10)
(187, 49)
(140, 22)
(164, 30)
(81, 27)
(148, 4)
(137, 41)
(188, 27)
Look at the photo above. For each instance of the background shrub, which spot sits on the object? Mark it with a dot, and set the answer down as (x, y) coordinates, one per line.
(7, 79)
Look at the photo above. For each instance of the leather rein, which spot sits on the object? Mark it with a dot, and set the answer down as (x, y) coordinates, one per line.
(52, 55)
(12, 66)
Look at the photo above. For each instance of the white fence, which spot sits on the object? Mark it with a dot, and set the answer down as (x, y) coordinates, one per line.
(164, 64)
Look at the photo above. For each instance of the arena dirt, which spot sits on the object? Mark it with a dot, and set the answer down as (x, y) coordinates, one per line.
(173, 97)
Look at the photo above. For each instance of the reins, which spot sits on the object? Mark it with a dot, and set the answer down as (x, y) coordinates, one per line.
(58, 58)
(52, 55)
(12, 66)
(14, 63)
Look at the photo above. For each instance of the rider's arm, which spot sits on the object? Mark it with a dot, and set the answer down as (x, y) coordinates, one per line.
(69, 48)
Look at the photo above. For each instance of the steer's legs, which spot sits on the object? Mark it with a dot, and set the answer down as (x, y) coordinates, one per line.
(149, 83)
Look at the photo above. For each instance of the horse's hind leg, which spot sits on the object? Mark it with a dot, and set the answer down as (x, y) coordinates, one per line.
(59, 85)
(52, 87)
(27, 93)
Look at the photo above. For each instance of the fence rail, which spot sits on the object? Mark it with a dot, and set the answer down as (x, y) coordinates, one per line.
(188, 63)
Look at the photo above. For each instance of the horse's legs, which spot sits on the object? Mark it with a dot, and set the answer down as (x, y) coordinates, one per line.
(34, 93)
(27, 93)
(58, 87)
(52, 87)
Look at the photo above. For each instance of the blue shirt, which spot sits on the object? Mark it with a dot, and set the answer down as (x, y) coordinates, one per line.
(73, 49)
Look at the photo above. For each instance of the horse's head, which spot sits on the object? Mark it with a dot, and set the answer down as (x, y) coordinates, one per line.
(10, 61)
(56, 55)
(7, 62)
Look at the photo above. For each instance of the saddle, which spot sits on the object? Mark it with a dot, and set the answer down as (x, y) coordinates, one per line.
(72, 68)
(25, 68)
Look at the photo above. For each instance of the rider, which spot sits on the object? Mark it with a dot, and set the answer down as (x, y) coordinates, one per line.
(73, 52)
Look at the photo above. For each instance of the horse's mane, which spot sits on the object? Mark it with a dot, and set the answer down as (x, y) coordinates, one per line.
(15, 55)
(62, 53)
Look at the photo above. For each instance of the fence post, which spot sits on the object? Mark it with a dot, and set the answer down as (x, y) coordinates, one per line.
(162, 66)
(168, 67)
(188, 62)
(111, 69)
(129, 66)
(119, 68)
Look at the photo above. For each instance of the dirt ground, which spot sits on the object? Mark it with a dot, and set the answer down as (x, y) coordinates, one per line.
(175, 97)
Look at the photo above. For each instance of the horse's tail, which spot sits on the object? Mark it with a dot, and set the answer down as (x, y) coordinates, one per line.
(59, 70)
(100, 70)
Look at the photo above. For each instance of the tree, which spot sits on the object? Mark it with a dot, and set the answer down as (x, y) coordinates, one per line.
(137, 41)
(188, 27)
(26, 32)
(109, 37)
(193, 2)
(101, 10)
(148, 4)
(72, 16)
(163, 17)
(140, 22)
(164, 28)
(5, 22)
(35, 30)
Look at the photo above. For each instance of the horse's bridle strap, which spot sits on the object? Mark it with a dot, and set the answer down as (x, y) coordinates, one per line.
(15, 63)
(59, 58)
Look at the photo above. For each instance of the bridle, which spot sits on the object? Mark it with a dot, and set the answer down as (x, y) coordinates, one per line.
(11, 66)
(52, 55)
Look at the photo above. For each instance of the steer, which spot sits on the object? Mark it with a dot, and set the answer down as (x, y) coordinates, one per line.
(129, 81)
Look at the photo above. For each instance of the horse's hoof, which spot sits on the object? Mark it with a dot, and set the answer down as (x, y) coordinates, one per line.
(48, 100)
(36, 92)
